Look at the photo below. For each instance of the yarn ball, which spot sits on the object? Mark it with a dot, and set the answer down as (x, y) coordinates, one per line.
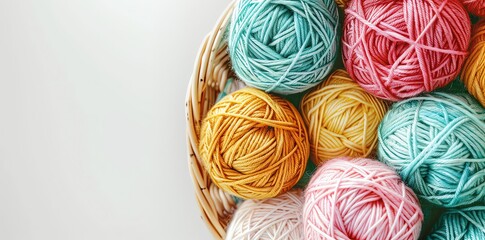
(475, 7)
(283, 46)
(436, 142)
(396, 49)
(342, 118)
(254, 145)
(359, 199)
(269, 219)
(463, 224)
(473, 74)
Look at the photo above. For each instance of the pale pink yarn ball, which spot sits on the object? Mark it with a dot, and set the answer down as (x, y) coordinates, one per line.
(360, 199)
(269, 219)
(396, 49)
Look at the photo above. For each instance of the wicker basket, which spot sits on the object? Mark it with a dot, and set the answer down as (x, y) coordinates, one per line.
(211, 71)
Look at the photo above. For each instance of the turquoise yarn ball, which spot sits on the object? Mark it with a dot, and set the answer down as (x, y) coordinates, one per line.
(436, 142)
(464, 224)
(283, 46)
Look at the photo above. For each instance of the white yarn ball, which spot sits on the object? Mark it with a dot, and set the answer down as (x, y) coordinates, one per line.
(269, 219)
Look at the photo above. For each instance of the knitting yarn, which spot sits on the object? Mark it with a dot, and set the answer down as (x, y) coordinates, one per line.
(359, 199)
(268, 219)
(396, 49)
(342, 118)
(254, 145)
(473, 74)
(475, 7)
(436, 142)
(463, 224)
(283, 46)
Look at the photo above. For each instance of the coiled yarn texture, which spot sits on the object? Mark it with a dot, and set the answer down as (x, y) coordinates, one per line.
(342, 118)
(437, 144)
(254, 145)
(473, 74)
(283, 46)
(463, 224)
(397, 49)
(269, 219)
(359, 199)
(475, 7)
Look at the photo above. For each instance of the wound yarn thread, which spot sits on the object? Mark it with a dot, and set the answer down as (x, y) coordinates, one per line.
(359, 199)
(283, 46)
(473, 74)
(475, 7)
(463, 224)
(269, 219)
(436, 142)
(396, 49)
(342, 118)
(254, 145)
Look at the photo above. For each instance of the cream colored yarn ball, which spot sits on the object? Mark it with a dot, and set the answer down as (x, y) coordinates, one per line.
(269, 219)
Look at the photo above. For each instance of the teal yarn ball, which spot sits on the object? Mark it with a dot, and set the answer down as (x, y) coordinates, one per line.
(436, 142)
(283, 46)
(464, 224)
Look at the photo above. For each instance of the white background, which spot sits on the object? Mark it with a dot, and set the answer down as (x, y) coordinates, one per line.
(92, 125)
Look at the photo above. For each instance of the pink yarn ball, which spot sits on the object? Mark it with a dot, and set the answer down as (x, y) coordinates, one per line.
(397, 49)
(360, 199)
(475, 7)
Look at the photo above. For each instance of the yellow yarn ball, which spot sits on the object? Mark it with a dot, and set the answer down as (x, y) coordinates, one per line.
(473, 73)
(254, 145)
(342, 118)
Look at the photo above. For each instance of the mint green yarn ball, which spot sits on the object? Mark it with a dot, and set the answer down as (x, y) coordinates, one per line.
(283, 46)
(464, 224)
(436, 142)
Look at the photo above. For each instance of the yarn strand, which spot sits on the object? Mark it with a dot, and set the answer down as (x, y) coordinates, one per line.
(396, 49)
(283, 46)
(254, 145)
(436, 142)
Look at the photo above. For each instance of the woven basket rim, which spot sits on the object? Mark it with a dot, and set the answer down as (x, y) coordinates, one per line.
(210, 74)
